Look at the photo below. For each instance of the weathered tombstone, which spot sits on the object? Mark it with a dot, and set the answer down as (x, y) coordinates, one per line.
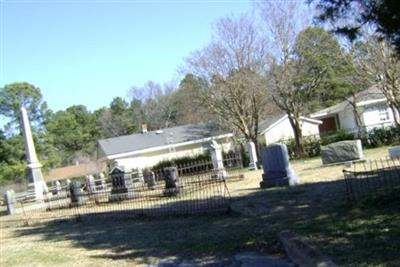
(217, 159)
(252, 156)
(140, 176)
(122, 186)
(277, 170)
(103, 184)
(68, 182)
(150, 179)
(170, 175)
(76, 196)
(342, 151)
(10, 201)
(90, 184)
(394, 152)
(58, 188)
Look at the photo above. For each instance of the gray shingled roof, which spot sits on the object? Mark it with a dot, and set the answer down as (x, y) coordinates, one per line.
(372, 93)
(152, 139)
(263, 125)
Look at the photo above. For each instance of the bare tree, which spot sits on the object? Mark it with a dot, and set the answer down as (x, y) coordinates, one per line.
(157, 103)
(291, 77)
(232, 65)
(378, 62)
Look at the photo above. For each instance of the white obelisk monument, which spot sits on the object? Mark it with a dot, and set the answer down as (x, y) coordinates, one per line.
(35, 176)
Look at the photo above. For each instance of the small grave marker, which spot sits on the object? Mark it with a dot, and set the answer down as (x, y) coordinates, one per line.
(10, 201)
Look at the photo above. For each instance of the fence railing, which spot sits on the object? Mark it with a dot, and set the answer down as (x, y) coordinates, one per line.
(123, 194)
(372, 178)
(231, 161)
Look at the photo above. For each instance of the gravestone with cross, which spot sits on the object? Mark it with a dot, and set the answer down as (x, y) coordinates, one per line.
(122, 185)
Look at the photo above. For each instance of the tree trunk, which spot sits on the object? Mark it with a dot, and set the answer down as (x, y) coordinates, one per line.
(298, 134)
(396, 114)
(254, 139)
(357, 118)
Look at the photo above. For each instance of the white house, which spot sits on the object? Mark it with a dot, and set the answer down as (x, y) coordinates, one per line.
(372, 108)
(277, 128)
(146, 149)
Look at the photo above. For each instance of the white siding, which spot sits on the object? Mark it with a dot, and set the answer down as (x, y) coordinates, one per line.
(284, 131)
(374, 116)
(149, 159)
(347, 120)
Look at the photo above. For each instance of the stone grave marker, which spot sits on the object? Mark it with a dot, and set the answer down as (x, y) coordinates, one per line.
(277, 170)
(58, 187)
(170, 175)
(394, 152)
(103, 184)
(35, 176)
(150, 179)
(76, 196)
(10, 201)
(90, 184)
(217, 159)
(342, 151)
(122, 185)
(252, 156)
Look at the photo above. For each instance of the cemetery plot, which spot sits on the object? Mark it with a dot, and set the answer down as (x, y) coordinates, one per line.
(129, 194)
(376, 177)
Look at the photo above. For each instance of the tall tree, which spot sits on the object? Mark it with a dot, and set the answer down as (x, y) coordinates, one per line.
(294, 85)
(232, 65)
(12, 156)
(73, 132)
(378, 62)
(14, 96)
(120, 118)
(350, 16)
(187, 99)
(294, 75)
(159, 108)
(320, 49)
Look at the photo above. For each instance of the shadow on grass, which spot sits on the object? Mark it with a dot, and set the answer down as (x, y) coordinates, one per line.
(367, 234)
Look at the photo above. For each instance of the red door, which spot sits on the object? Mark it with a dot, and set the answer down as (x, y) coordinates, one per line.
(328, 125)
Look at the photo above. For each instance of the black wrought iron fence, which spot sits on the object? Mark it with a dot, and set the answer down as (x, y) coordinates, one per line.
(377, 177)
(122, 194)
(232, 163)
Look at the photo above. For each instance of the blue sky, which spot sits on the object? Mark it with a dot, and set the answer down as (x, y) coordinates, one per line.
(87, 52)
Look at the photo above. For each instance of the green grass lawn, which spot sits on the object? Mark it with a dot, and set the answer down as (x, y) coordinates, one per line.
(366, 234)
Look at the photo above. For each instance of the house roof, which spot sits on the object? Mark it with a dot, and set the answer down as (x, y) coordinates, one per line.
(270, 122)
(159, 138)
(369, 96)
(74, 171)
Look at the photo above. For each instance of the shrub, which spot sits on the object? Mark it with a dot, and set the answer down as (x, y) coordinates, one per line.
(382, 136)
(312, 144)
(181, 161)
(12, 173)
(311, 147)
(374, 138)
(341, 135)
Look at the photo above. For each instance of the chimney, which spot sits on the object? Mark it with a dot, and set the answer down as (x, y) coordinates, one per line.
(144, 128)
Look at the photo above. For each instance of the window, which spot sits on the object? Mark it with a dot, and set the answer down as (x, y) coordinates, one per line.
(383, 113)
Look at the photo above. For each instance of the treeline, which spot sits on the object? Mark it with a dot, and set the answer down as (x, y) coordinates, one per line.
(69, 136)
(253, 67)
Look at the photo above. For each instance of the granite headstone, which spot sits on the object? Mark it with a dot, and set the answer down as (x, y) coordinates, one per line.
(122, 185)
(341, 152)
(277, 170)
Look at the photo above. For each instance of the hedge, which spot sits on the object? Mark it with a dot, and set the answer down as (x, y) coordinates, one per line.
(374, 138)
